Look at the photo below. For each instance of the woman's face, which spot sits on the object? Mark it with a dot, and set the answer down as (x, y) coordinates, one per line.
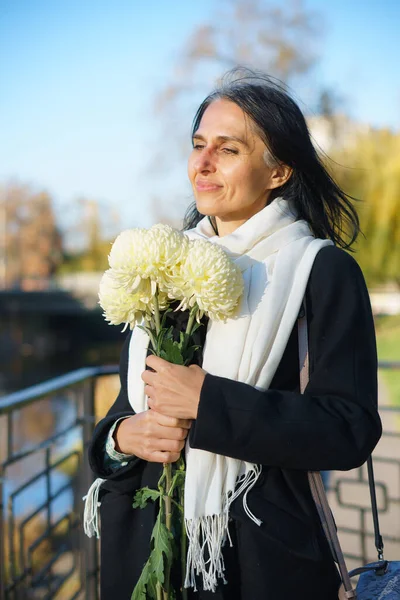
(227, 170)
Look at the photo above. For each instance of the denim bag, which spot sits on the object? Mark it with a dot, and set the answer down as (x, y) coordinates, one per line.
(378, 581)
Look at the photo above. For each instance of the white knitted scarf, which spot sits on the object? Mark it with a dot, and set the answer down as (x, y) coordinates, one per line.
(275, 253)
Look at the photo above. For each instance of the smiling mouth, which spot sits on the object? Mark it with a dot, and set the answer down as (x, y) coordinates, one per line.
(203, 186)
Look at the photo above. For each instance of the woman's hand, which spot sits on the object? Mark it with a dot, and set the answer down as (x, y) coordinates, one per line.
(173, 390)
(152, 436)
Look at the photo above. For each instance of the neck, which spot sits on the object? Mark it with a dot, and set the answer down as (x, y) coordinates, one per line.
(227, 224)
(227, 227)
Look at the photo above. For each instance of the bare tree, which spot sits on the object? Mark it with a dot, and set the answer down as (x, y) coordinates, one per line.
(89, 229)
(30, 240)
(278, 38)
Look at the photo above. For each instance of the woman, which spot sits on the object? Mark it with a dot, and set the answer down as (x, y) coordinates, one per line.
(271, 204)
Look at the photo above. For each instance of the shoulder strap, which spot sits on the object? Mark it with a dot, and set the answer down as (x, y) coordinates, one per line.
(314, 477)
(304, 376)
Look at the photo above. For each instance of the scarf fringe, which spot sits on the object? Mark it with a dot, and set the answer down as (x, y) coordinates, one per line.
(207, 535)
(91, 512)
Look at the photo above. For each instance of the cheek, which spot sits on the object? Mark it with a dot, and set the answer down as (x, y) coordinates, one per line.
(242, 180)
(255, 179)
(190, 170)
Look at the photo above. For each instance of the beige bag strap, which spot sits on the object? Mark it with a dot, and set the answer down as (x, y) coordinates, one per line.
(314, 477)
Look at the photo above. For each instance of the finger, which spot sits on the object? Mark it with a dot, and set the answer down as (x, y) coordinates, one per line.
(157, 363)
(170, 433)
(171, 421)
(167, 445)
(163, 457)
(148, 376)
(149, 392)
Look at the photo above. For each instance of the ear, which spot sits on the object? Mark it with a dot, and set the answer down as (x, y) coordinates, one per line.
(279, 175)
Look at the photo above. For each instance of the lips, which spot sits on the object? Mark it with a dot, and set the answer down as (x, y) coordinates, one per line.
(206, 186)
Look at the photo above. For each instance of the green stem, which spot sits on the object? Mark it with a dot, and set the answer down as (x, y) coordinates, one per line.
(191, 320)
(167, 497)
(157, 320)
(152, 339)
(159, 591)
(168, 517)
(189, 327)
(159, 588)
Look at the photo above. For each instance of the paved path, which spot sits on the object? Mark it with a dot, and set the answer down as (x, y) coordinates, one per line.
(355, 494)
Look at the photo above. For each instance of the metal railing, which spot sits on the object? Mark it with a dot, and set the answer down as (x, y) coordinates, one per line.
(42, 546)
(56, 560)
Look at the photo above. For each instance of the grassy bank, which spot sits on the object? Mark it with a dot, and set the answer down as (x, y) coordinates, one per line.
(388, 342)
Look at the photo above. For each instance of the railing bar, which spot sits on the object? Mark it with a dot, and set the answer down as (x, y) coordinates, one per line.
(11, 546)
(24, 568)
(39, 575)
(60, 582)
(16, 582)
(389, 364)
(90, 547)
(388, 461)
(9, 434)
(369, 534)
(35, 478)
(19, 399)
(48, 488)
(43, 445)
(60, 491)
(77, 593)
(2, 538)
(47, 532)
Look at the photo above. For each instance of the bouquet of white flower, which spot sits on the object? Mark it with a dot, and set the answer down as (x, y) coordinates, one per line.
(150, 270)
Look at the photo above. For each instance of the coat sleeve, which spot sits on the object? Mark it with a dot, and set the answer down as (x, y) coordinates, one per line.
(335, 424)
(120, 408)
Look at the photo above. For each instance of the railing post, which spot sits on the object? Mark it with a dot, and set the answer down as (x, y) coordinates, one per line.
(4, 449)
(2, 538)
(89, 545)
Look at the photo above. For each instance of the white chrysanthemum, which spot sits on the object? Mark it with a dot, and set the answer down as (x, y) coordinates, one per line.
(121, 306)
(127, 257)
(139, 255)
(210, 279)
(166, 249)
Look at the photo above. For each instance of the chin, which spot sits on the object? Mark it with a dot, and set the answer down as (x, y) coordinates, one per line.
(207, 208)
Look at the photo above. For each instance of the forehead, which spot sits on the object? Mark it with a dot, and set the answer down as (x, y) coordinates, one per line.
(223, 117)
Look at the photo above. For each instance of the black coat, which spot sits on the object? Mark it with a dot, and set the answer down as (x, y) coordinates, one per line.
(334, 425)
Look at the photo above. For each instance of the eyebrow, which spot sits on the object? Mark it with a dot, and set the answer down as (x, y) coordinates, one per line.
(223, 138)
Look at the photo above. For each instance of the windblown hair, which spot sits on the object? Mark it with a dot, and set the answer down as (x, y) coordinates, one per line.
(281, 125)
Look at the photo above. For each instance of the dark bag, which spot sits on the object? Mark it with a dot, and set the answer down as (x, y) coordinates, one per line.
(378, 580)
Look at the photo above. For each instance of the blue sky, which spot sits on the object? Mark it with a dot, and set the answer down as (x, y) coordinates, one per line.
(79, 80)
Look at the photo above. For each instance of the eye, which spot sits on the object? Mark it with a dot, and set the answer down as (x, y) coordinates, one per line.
(198, 146)
(230, 150)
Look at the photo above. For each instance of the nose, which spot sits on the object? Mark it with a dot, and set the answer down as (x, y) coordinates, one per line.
(204, 161)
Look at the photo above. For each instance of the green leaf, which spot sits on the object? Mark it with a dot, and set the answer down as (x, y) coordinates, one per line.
(163, 541)
(160, 339)
(151, 333)
(173, 352)
(146, 587)
(177, 480)
(190, 354)
(183, 339)
(143, 496)
(163, 355)
(196, 326)
(164, 317)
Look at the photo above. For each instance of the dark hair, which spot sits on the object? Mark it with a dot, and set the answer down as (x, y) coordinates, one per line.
(282, 126)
